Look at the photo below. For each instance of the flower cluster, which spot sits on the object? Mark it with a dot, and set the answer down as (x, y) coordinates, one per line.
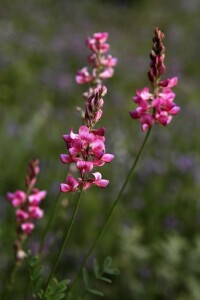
(27, 205)
(87, 150)
(158, 106)
(102, 64)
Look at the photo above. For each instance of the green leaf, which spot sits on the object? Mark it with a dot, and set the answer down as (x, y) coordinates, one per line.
(107, 267)
(56, 290)
(107, 263)
(85, 278)
(105, 279)
(96, 268)
(35, 273)
(95, 292)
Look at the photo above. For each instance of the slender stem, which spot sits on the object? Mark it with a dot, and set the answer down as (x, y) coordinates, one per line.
(9, 287)
(112, 209)
(49, 223)
(66, 237)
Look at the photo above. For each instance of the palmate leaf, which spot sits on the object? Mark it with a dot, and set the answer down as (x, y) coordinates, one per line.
(35, 268)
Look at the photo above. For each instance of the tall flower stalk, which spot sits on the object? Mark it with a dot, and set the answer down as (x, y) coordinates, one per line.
(86, 149)
(153, 107)
(27, 210)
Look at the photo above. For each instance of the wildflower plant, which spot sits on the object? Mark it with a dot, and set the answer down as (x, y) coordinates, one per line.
(86, 150)
(157, 106)
(27, 210)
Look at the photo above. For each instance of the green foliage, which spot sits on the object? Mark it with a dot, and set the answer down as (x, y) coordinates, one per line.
(100, 273)
(56, 290)
(35, 274)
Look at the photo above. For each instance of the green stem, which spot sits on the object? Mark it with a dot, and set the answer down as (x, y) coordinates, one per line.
(111, 209)
(9, 287)
(66, 237)
(49, 223)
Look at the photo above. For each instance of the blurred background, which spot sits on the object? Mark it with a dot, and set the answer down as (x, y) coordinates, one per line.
(154, 235)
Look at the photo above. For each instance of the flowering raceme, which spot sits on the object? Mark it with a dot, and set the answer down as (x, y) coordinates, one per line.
(102, 64)
(27, 205)
(87, 148)
(158, 106)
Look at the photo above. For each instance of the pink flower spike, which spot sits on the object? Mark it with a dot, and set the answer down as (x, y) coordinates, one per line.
(35, 212)
(21, 215)
(98, 181)
(70, 186)
(27, 227)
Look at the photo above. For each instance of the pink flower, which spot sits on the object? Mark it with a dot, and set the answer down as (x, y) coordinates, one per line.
(109, 61)
(170, 82)
(107, 73)
(83, 76)
(71, 185)
(27, 227)
(97, 181)
(153, 109)
(35, 212)
(97, 42)
(36, 197)
(16, 198)
(84, 166)
(21, 215)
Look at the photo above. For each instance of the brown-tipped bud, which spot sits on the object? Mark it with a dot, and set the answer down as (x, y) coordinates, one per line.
(157, 55)
(32, 172)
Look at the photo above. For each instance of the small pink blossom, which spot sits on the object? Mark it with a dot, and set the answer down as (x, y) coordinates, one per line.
(71, 185)
(35, 212)
(83, 76)
(107, 73)
(27, 227)
(21, 215)
(97, 181)
(36, 197)
(16, 198)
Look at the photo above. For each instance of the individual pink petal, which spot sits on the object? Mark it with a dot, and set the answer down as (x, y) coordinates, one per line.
(134, 114)
(170, 82)
(99, 131)
(97, 175)
(101, 183)
(65, 158)
(65, 188)
(175, 110)
(107, 158)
